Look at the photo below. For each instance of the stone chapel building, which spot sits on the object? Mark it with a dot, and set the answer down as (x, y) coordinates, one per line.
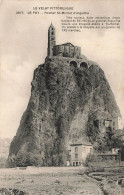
(64, 50)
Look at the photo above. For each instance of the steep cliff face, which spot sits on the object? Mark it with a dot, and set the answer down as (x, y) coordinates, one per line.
(66, 104)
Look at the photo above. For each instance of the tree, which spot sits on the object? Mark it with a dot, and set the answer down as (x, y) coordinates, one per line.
(108, 141)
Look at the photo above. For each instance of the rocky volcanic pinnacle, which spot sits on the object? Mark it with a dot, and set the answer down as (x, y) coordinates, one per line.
(67, 103)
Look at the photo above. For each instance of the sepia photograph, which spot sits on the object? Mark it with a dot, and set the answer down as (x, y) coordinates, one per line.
(61, 97)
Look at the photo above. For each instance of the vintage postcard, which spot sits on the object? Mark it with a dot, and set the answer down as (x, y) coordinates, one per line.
(62, 97)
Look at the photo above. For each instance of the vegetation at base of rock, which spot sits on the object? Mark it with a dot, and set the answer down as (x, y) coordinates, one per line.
(94, 160)
(108, 141)
(66, 104)
(31, 159)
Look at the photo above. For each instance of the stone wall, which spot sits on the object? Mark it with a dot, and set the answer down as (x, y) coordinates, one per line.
(67, 51)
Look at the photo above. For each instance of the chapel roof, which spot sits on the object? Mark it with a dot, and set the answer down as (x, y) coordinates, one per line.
(65, 44)
(68, 44)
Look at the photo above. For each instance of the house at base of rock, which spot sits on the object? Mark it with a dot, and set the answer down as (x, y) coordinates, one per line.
(79, 152)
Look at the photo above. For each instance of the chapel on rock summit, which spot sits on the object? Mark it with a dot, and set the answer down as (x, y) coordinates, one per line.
(67, 51)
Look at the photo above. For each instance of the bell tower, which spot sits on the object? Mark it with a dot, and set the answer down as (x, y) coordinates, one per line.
(51, 40)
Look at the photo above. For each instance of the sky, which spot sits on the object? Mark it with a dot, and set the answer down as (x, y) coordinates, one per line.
(23, 46)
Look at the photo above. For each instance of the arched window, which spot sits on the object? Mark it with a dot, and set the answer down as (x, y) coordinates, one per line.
(83, 65)
(73, 64)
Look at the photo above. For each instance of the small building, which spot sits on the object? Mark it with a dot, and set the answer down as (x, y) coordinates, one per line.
(114, 154)
(117, 123)
(67, 50)
(79, 152)
(107, 123)
(115, 150)
(109, 156)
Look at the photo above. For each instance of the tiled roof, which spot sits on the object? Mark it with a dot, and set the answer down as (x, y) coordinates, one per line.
(65, 44)
(68, 44)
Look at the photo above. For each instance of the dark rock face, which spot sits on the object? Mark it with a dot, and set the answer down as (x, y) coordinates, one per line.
(66, 104)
